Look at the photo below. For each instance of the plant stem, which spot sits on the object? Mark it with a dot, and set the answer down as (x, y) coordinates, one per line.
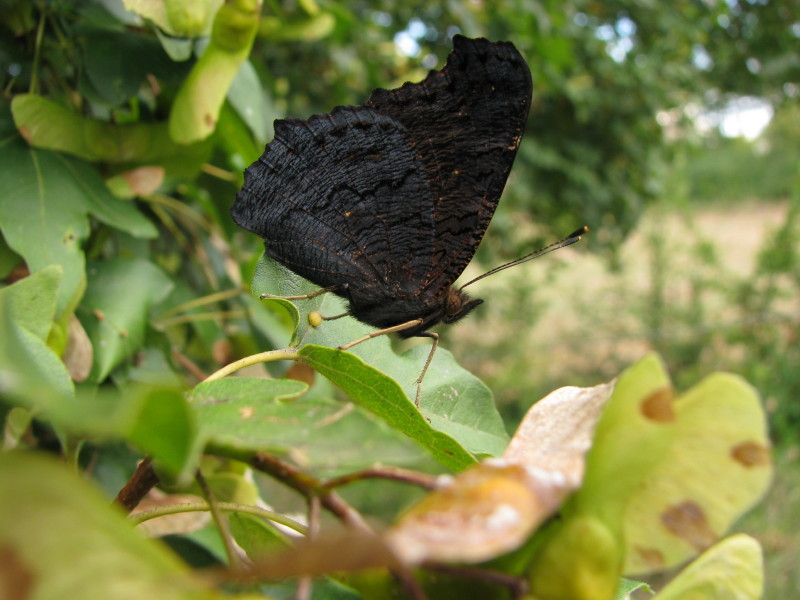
(185, 507)
(254, 359)
(234, 560)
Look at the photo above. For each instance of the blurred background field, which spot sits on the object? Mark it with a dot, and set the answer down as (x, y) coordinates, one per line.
(671, 129)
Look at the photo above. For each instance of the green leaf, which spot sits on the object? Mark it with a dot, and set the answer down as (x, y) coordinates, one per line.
(453, 401)
(54, 527)
(114, 311)
(247, 97)
(272, 278)
(628, 586)
(165, 429)
(255, 536)
(717, 467)
(632, 437)
(29, 369)
(731, 569)
(117, 63)
(179, 18)
(32, 301)
(382, 396)
(45, 200)
(240, 414)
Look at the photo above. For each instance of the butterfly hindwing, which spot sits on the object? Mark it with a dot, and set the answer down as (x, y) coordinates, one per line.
(341, 200)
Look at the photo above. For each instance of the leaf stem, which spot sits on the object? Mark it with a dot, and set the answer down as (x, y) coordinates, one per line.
(185, 507)
(37, 53)
(422, 480)
(202, 301)
(254, 359)
(309, 487)
(234, 560)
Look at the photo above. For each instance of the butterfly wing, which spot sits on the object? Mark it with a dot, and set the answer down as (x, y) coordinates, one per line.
(341, 199)
(466, 122)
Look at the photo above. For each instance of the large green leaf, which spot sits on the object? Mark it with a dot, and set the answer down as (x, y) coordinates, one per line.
(453, 400)
(324, 436)
(60, 538)
(380, 394)
(45, 201)
(115, 309)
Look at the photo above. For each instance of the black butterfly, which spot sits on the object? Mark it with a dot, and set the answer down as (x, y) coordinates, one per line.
(384, 204)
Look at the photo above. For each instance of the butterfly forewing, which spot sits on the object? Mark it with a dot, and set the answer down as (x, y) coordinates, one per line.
(466, 122)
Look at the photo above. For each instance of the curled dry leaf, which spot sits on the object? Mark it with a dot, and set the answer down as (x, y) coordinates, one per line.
(78, 354)
(494, 507)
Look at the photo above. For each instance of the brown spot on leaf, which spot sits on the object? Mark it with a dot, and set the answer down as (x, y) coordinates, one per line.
(16, 578)
(652, 557)
(658, 405)
(688, 522)
(209, 120)
(26, 134)
(751, 454)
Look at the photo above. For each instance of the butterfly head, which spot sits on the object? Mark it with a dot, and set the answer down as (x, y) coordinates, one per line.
(458, 305)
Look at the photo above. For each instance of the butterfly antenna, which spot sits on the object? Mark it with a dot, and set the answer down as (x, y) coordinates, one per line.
(572, 238)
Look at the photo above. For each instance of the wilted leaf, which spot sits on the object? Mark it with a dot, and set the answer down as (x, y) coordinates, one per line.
(325, 554)
(557, 432)
(665, 478)
(140, 181)
(495, 506)
(78, 355)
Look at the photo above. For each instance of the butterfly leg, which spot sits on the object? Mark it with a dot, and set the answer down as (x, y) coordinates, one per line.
(395, 329)
(301, 297)
(374, 334)
(435, 338)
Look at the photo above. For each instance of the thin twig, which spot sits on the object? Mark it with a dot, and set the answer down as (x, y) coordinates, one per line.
(308, 486)
(234, 560)
(186, 507)
(422, 480)
(141, 482)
